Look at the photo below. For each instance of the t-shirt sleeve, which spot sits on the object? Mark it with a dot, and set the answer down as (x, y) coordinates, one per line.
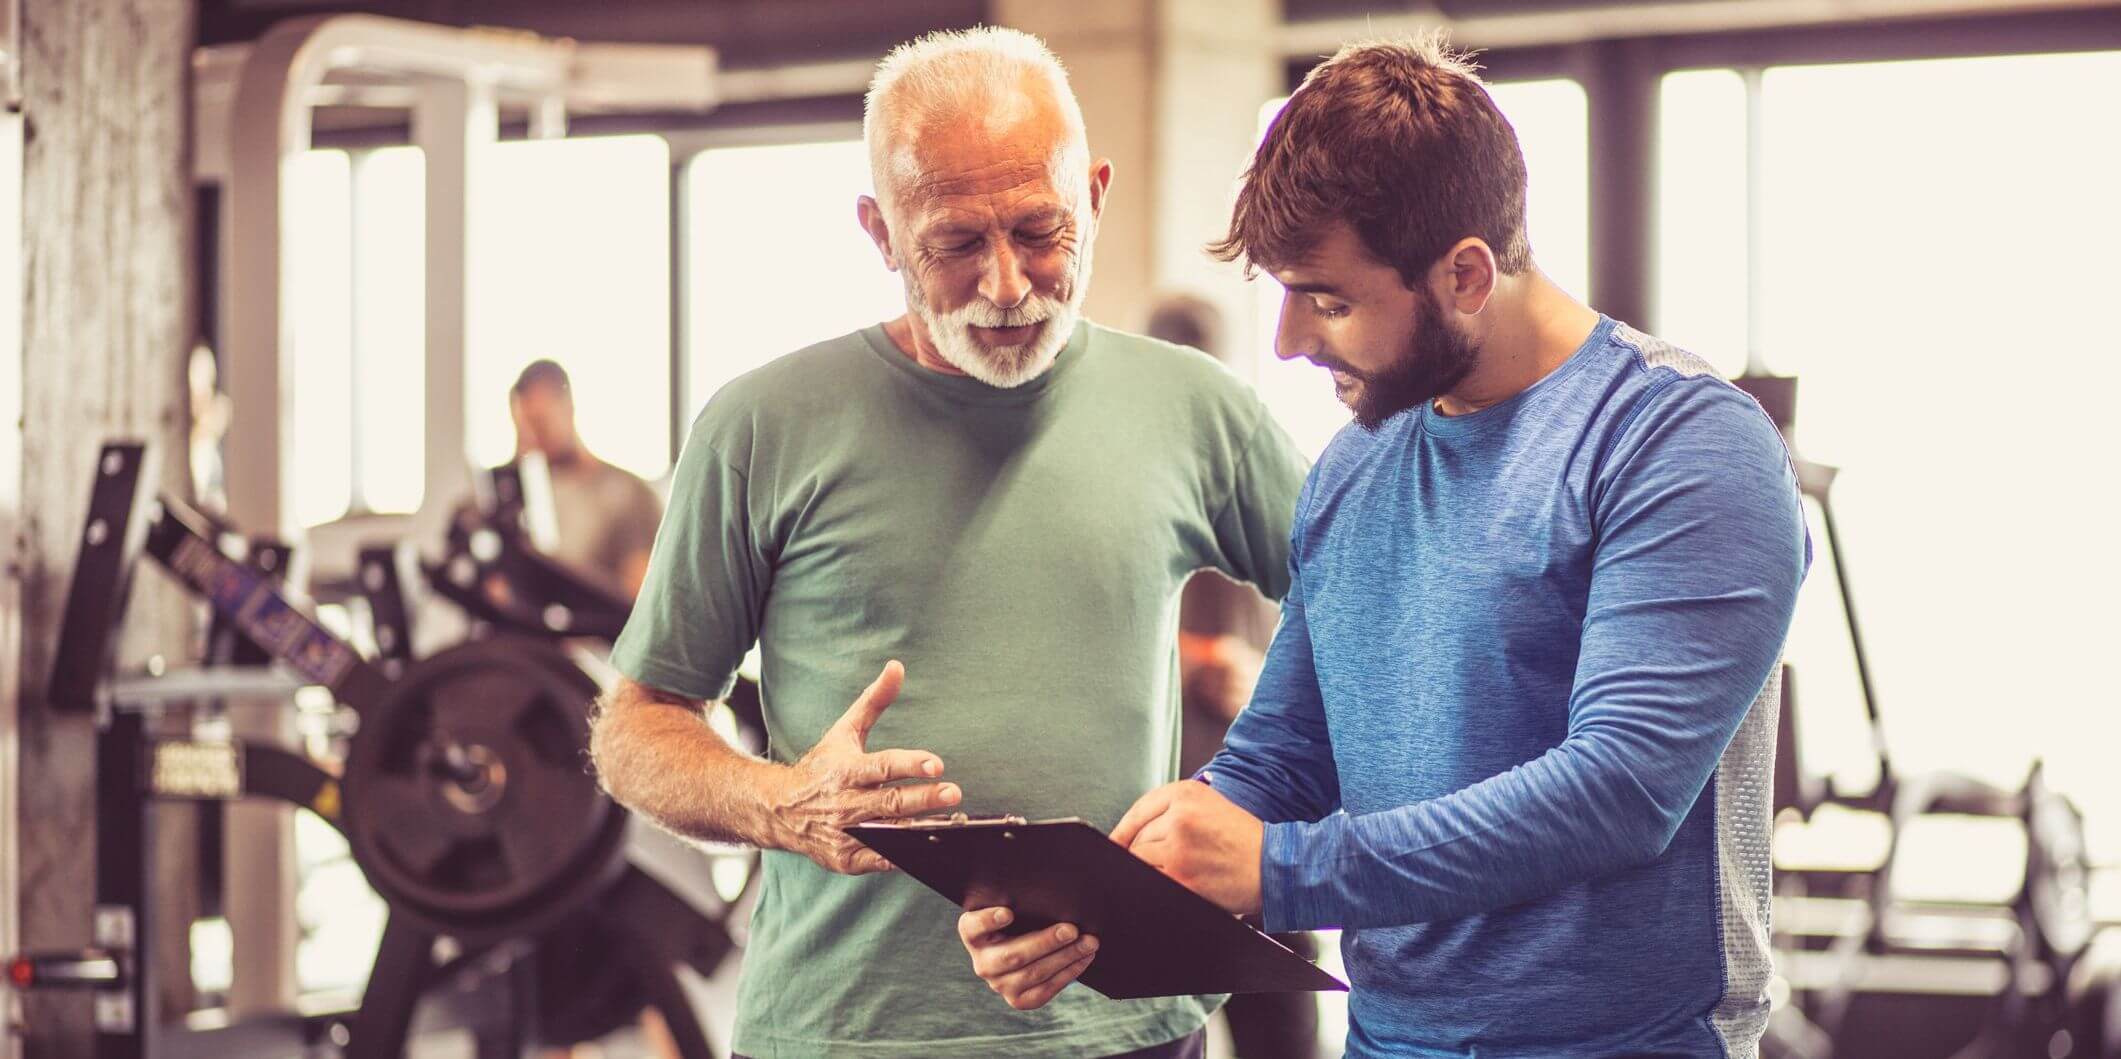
(699, 608)
(1252, 525)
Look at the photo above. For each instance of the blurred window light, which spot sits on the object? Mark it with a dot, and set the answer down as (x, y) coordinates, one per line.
(319, 300)
(390, 328)
(775, 258)
(573, 264)
(357, 255)
(1938, 239)
(1552, 123)
(1701, 270)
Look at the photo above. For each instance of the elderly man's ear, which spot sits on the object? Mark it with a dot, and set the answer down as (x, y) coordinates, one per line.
(872, 218)
(1100, 180)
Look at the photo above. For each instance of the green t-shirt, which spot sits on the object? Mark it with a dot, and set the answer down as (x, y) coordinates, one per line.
(1021, 551)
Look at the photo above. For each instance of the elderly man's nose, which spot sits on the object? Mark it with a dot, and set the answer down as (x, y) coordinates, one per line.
(1004, 282)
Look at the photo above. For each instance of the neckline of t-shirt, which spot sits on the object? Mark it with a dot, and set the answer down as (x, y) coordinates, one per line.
(966, 388)
(1433, 422)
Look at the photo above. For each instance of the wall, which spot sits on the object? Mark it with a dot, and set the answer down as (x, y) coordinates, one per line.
(106, 318)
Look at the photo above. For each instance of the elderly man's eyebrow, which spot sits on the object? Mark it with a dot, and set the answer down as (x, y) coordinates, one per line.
(1043, 215)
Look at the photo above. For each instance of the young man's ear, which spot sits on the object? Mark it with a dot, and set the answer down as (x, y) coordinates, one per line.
(1465, 276)
(872, 217)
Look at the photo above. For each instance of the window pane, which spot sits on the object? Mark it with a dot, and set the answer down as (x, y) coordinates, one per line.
(1701, 213)
(319, 241)
(1552, 128)
(1942, 244)
(1552, 121)
(775, 257)
(390, 333)
(574, 265)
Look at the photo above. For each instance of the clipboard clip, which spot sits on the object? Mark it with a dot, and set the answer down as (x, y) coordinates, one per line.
(951, 820)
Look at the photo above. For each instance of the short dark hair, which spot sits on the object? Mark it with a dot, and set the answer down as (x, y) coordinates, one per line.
(1400, 140)
(541, 373)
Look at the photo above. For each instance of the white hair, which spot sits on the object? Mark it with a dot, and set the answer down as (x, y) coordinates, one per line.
(948, 73)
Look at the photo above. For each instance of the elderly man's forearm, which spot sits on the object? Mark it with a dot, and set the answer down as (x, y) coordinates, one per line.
(662, 760)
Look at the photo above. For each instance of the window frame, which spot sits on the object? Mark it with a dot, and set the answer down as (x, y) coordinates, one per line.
(1621, 79)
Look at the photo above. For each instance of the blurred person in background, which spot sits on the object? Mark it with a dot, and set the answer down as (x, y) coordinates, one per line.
(607, 516)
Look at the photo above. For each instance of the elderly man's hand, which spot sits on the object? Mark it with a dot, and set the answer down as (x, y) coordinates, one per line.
(1027, 970)
(841, 782)
(1193, 834)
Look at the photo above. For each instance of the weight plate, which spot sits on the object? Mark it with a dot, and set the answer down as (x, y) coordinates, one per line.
(469, 802)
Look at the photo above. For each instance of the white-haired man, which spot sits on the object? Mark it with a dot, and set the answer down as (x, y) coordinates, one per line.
(995, 502)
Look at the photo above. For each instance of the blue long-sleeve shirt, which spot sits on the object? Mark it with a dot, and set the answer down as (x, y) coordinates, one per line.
(1515, 733)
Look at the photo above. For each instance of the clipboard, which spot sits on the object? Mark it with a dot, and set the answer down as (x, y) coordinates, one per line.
(1155, 937)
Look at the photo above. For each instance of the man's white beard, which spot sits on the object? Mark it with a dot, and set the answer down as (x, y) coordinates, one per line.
(1004, 367)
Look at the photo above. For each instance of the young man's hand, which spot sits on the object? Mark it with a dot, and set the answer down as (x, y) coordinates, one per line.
(1200, 838)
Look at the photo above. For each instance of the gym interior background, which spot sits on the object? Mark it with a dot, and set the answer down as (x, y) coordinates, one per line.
(298, 250)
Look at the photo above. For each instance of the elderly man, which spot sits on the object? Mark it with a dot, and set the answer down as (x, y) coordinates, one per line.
(992, 501)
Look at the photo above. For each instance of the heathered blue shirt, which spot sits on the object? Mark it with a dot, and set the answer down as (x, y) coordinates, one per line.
(1515, 733)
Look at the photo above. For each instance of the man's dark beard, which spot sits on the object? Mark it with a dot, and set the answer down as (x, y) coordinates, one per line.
(1435, 360)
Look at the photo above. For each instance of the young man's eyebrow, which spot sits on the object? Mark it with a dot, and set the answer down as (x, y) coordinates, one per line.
(1314, 288)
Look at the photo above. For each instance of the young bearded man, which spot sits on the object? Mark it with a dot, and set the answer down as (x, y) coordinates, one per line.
(1514, 735)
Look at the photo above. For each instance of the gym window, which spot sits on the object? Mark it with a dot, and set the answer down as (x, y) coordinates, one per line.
(357, 303)
(562, 225)
(574, 265)
(1933, 243)
(775, 259)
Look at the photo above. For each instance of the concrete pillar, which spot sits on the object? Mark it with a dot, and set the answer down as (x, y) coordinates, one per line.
(10, 504)
(106, 321)
(1171, 91)
(455, 125)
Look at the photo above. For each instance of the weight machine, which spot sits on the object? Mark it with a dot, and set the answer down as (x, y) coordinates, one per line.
(463, 796)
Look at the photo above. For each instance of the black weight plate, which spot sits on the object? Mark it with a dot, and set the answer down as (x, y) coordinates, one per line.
(469, 803)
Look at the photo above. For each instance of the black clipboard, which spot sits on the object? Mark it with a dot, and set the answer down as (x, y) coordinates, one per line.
(1155, 937)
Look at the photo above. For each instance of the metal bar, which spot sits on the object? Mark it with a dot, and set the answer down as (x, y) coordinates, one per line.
(455, 125)
(225, 643)
(1621, 84)
(260, 610)
(194, 683)
(1755, 226)
(2093, 28)
(11, 513)
(357, 296)
(273, 772)
(681, 317)
(404, 961)
(382, 581)
(95, 601)
(666, 924)
(125, 1015)
(67, 971)
(1738, 32)
(661, 988)
(1863, 664)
